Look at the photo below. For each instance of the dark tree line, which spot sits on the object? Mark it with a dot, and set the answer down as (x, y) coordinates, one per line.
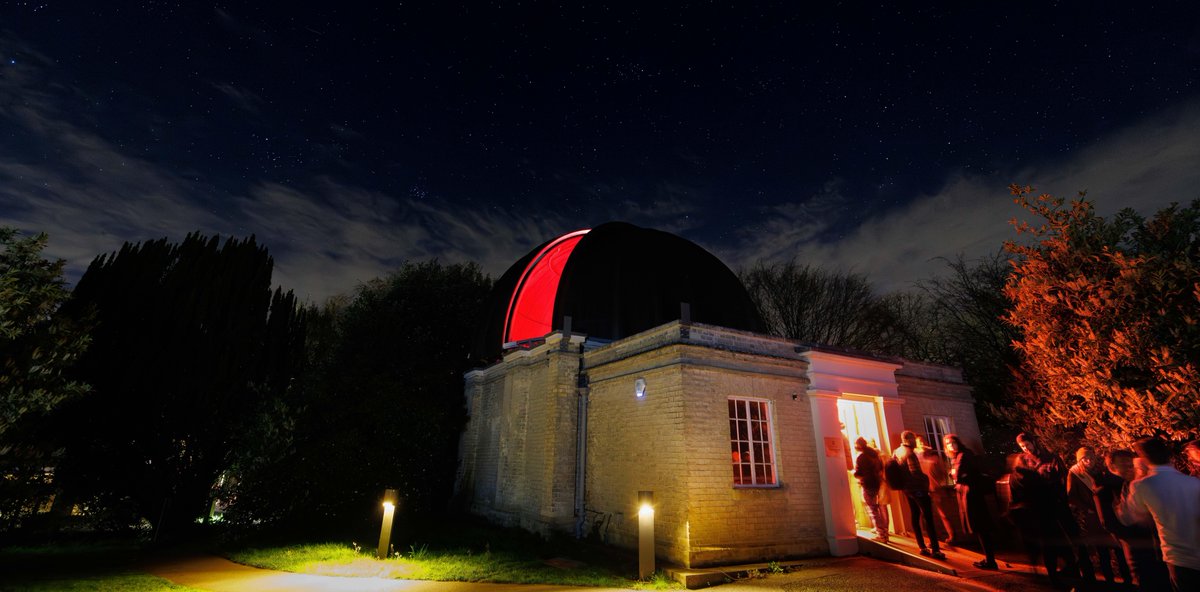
(381, 408)
(204, 385)
(190, 343)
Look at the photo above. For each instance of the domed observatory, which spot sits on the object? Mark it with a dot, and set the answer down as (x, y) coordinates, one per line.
(612, 281)
(620, 360)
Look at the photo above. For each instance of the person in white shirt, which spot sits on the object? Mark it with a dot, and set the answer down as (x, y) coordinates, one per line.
(1172, 500)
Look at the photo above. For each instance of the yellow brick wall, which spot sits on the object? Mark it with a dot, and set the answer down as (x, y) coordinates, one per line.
(928, 389)
(517, 452)
(675, 442)
(731, 525)
(518, 449)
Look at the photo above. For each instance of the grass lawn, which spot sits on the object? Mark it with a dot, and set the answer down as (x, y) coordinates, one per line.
(464, 552)
(69, 568)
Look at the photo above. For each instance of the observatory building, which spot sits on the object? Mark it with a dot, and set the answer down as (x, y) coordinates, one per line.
(622, 359)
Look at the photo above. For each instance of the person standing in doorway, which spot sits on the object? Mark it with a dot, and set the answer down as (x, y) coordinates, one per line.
(972, 484)
(916, 489)
(1172, 500)
(868, 469)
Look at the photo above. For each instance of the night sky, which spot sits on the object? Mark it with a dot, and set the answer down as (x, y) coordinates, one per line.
(349, 139)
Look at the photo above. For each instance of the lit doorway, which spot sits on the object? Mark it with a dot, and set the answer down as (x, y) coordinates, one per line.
(859, 419)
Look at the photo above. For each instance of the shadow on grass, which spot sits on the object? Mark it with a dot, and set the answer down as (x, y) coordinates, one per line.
(68, 567)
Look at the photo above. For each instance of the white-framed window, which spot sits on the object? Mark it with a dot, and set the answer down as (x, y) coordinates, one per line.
(751, 442)
(937, 426)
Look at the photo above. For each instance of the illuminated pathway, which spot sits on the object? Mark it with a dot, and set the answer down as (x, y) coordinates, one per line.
(216, 574)
(828, 574)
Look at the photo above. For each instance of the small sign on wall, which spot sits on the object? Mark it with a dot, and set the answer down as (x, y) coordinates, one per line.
(833, 447)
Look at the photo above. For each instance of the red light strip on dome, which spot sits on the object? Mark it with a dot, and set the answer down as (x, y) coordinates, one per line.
(531, 307)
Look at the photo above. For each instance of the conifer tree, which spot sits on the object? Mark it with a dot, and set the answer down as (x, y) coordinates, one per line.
(37, 343)
(37, 346)
(191, 342)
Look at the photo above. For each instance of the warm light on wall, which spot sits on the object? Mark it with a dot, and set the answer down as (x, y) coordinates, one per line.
(645, 534)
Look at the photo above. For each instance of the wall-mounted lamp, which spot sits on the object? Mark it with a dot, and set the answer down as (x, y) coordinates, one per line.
(645, 534)
(390, 499)
(639, 388)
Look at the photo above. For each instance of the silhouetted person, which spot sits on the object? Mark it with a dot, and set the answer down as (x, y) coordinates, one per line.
(916, 489)
(868, 469)
(1138, 541)
(1081, 488)
(972, 484)
(1172, 500)
(940, 489)
(1055, 525)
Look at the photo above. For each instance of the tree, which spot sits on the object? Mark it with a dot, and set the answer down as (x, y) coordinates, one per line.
(37, 343)
(811, 304)
(37, 346)
(965, 327)
(191, 343)
(384, 407)
(1109, 321)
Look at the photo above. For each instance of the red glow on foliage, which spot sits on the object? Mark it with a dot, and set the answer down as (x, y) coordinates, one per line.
(531, 308)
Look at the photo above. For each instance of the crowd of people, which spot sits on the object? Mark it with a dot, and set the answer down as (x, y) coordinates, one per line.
(1128, 513)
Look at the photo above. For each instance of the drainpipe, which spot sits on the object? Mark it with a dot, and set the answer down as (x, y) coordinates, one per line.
(580, 447)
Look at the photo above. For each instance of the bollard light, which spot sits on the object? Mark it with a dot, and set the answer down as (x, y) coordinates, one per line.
(645, 534)
(390, 498)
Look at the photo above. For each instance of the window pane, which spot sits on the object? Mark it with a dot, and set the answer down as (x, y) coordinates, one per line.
(750, 442)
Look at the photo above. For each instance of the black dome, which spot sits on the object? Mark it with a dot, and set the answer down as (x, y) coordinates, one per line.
(617, 280)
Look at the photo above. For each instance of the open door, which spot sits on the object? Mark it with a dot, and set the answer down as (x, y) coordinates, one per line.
(859, 418)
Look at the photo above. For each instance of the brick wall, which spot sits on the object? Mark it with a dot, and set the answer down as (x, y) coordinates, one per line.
(518, 450)
(929, 389)
(675, 442)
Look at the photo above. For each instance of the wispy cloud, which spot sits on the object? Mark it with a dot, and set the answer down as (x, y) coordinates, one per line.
(61, 175)
(243, 99)
(1144, 166)
(64, 178)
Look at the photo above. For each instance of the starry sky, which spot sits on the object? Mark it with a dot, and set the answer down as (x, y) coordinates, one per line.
(350, 138)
